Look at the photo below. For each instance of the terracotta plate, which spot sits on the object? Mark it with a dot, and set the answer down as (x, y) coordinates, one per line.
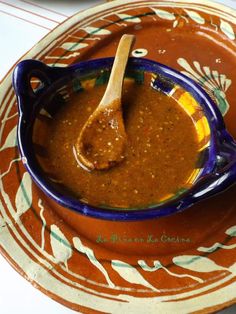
(183, 263)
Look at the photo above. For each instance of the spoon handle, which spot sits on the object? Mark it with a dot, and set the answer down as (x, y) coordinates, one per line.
(115, 83)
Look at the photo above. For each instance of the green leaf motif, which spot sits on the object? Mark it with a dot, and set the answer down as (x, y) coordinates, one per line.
(197, 263)
(96, 31)
(231, 231)
(23, 200)
(73, 46)
(195, 16)
(227, 29)
(10, 140)
(129, 18)
(164, 14)
(61, 247)
(221, 101)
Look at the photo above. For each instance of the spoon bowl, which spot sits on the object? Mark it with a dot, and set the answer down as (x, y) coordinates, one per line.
(102, 141)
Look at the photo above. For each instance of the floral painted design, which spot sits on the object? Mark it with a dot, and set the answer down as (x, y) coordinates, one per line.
(212, 81)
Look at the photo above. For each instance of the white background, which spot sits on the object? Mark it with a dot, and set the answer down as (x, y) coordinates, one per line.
(17, 36)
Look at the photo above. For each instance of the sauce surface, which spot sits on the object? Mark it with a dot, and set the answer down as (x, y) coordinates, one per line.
(161, 152)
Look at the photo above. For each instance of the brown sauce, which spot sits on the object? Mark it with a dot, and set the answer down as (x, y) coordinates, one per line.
(161, 150)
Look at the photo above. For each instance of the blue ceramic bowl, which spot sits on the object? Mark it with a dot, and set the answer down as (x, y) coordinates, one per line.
(216, 168)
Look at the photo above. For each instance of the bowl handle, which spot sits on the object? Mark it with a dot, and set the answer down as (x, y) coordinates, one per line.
(224, 174)
(23, 72)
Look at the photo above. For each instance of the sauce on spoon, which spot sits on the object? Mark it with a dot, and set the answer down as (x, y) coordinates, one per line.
(102, 140)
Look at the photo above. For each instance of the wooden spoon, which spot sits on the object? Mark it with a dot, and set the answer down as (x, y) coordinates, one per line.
(102, 140)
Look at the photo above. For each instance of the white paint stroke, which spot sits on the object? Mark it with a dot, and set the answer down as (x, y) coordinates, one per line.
(214, 82)
(61, 247)
(4, 98)
(116, 23)
(90, 254)
(9, 167)
(216, 246)
(164, 14)
(61, 65)
(40, 205)
(94, 30)
(72, 55)
(10, 117)
(184, 64)
(158, 265)
(196, 17)
(131, 274)
(193, 74)
(128, 18)
(227, 29)
(85, 38)
(175, 23)
(185, 18)
(73, 46)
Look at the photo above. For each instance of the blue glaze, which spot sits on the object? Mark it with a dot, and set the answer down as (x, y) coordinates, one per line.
(219, 170)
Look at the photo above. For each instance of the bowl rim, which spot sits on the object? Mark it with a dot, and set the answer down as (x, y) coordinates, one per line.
(51, 75)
